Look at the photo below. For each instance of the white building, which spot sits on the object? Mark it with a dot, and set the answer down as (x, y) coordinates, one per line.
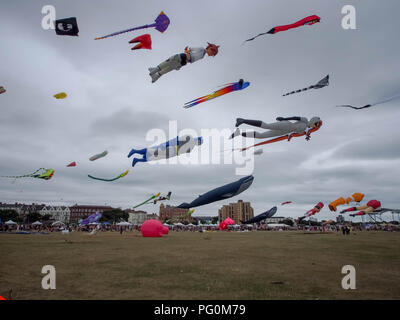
(57, 213)
(136, 217)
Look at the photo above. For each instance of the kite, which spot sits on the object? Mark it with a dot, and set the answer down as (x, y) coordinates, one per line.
(98, 156)
(356, 197)
(2, 90)
(92, 218)
(328, 222)
(167, 197)
(258, 152)
(152, 228)
(370, 105)
(161, 24)
(317, 208)
(144, 42)
(113, 179)
(221, 193)
(67, 27)
(144, 202)
(61, 95)
(235, 86)
(177, 61)
(41, 173)
(166, 150)
(224, 224)
(368, 208)
(306, 21)
(322, 83)
(261, 216)
(287, 202)
(287, 137)
(72, 164)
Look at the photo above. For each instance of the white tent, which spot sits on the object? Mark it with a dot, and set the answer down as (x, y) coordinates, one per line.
(276, 225)
(57, 223)
(124, 223)
(10, 222)
(37, 223)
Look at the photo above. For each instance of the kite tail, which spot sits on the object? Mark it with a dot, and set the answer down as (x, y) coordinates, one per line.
(297, 91)
(386, 100)
(24, 176)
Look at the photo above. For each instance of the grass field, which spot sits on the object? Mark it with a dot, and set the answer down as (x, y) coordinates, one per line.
(212, 265)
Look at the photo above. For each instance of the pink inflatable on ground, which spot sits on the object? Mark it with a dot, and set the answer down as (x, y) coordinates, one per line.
(152, 228)
(165, 230)
(224, 225)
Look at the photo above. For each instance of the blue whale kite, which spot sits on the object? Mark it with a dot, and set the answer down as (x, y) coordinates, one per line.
(261, 216)
(221, 193)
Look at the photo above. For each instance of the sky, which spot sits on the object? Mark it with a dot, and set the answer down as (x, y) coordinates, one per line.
(112, 104)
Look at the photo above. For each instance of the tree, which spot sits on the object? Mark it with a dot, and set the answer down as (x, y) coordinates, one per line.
(32, 217)
(9, 214)
(114, 215)
(214, 220)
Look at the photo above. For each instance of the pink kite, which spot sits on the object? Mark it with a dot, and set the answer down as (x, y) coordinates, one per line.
(287, 202)
(152, 228)
(224, 224)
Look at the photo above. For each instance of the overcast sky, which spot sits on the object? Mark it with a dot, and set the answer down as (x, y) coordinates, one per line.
(112, 104)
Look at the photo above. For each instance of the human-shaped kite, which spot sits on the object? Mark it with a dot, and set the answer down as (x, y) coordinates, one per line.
(368, 208)
(277, 129)
(177, 61)
(171, 148)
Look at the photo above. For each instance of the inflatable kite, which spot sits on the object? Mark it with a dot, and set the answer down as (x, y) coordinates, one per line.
(224, 224)
(144, 42)
(368, 208)
(313, 211)
(306, 21)
(287, 137)
(161, 24)
(152, 228)
(370, 105)
(72, 164)
(328, 222)
(61, 95)
(144, 202)
(40, 173)
(225, 192)
(92, 218)
(356, 197)
(261, 216)
(240, 85)
(322, 83)
(98, 156)
(67, 27)
(286, 202)
(2, 90)
(166, 150)
(113, 179)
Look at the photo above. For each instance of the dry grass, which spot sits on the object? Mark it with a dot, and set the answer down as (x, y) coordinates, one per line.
(215, 265)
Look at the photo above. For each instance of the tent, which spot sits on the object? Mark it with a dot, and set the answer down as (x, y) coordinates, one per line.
(124, 223)
(57, 223)
(37, 223)
(10, 222)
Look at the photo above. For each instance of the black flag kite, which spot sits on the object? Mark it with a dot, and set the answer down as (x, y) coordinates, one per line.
(67, 27)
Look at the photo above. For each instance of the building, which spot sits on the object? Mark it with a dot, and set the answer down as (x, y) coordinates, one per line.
(78, 212)
(152, 216)
(169, 212)
(206, 219)
(340, 219)
(57, 213)
(236, 211)
(136, 217)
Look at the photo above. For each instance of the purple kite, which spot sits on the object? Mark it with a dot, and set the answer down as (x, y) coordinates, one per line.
(161, 24)
(92, 218)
